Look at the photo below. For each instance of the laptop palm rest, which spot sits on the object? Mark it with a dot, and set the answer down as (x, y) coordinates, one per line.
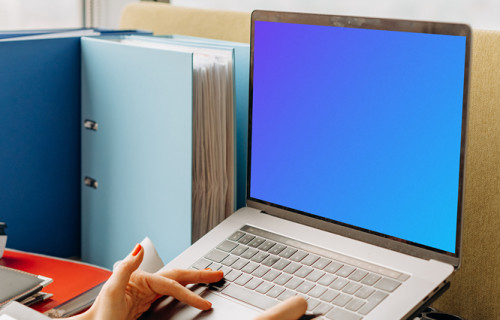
(171, 309)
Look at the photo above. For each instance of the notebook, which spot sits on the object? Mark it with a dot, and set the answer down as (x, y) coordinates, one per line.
(17, 285)
(357, 134)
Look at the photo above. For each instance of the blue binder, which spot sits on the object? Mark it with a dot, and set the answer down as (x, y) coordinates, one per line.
(40, 142)
(48, 151)
(140, 156)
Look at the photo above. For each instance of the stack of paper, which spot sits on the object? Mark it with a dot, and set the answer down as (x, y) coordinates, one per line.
(213, 141)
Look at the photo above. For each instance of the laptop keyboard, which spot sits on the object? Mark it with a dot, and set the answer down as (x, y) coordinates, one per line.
(263, 268)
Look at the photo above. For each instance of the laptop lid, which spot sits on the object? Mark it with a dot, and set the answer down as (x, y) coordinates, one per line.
(358, 127)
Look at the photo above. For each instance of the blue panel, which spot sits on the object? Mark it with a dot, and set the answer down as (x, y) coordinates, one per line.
(40, 145)
(360, 126)
(141, 154)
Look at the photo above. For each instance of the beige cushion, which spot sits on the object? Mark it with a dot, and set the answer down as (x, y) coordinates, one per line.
(162, 18)
(472, 294)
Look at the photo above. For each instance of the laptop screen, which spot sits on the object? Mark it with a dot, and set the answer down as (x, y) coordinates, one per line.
(361, 127)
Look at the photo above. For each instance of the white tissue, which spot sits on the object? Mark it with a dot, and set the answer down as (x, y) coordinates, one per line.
(152, 261)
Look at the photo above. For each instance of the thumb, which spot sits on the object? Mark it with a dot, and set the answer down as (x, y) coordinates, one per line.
(121, 275)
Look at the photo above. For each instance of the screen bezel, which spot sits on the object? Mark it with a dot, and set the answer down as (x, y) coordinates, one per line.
(337, 227)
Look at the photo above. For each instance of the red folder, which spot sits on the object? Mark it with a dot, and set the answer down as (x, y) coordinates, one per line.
(71, 278)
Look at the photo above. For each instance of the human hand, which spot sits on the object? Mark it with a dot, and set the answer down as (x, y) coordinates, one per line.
(129, 292)
(291, 309)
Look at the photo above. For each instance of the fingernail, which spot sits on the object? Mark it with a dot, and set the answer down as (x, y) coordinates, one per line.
(208, 269)
(137, 248)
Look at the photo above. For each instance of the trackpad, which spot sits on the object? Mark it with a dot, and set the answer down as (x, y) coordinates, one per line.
(223, 308)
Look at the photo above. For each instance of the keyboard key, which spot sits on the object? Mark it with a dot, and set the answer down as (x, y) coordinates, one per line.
(329, 295)
(299, 255)
(281, 264)
(268, 244)
(219, 285)
(260, 271)
(355, 304)
(243, 279)
(305, 287)
(341, 300)
(249, 296)
(259, 257)
(339, 314)
(264, 287)
(277, 248)
(351, 288)
(370, 279)
(246, 239)
(286, 294)
(229, 260)
(339, 283)
(358, 275)
(333, 267)
(269, 261)
(225, 269)
(315, 275)
(309, 259)
(387, 284)
(201, 264)
(322, 308)
(364, 292)
(288, 252)
(345, 271)
(294, 283)
(227, 246)
(250, 267)
(216, 255)
(233, 275)
(253, 283)
(215, 266)
(236, 236)
(249, 253)
(239, 264)
(317, 291)
(282, 278)
(275, 291)
(271, 275)
(303, 271)
(327, 279)
(239, 249)
(312, 303)
(292, 267)
(321, 263)
(372, 302)
(256, 242)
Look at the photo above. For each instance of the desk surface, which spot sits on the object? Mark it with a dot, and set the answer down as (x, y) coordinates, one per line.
(70, 277)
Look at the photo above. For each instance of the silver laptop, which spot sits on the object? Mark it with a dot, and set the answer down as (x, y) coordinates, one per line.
(356, 171)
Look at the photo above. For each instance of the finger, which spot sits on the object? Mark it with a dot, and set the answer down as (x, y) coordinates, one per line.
(193, 276)
(291, 309)
(169, 287)
(121, 274)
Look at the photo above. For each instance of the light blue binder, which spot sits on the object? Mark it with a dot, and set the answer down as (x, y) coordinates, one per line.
(140, 156)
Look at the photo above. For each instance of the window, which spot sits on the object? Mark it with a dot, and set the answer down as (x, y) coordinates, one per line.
(36, 14)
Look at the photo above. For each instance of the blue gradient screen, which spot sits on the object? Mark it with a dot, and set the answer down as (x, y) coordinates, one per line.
(360, 126)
